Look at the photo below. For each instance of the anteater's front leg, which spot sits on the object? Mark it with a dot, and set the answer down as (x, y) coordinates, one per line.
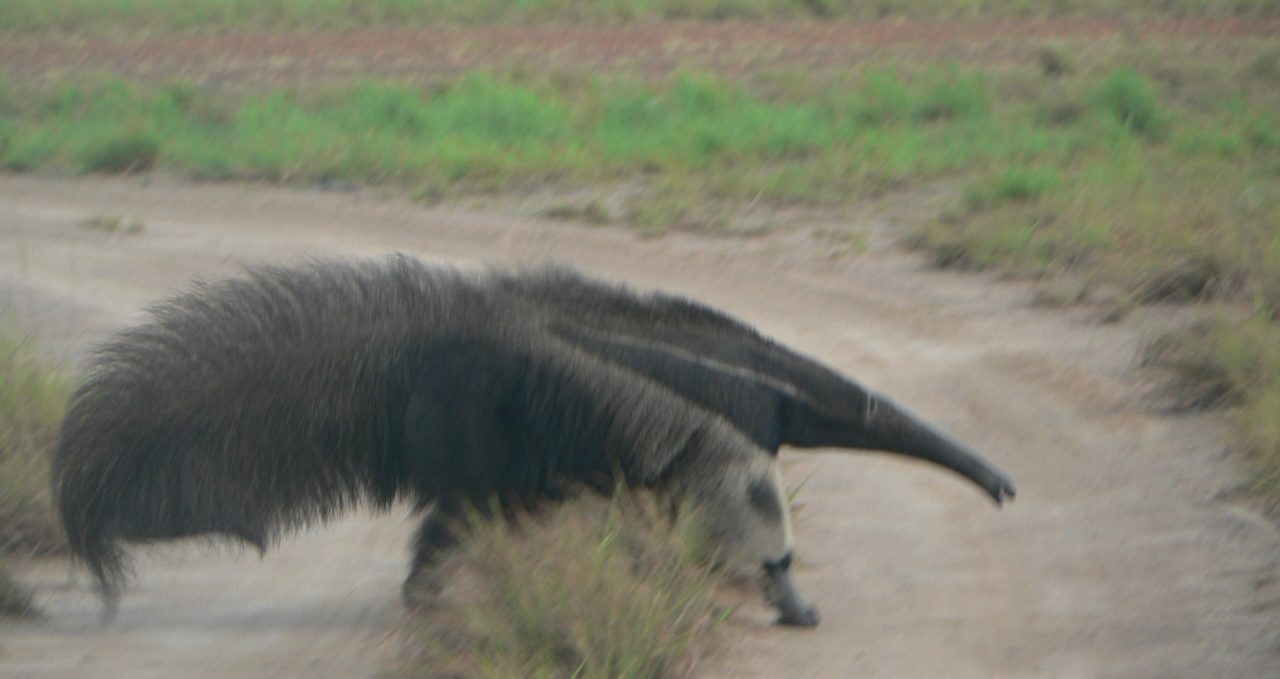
(441, 529)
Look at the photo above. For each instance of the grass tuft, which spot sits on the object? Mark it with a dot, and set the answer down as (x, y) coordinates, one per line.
(1183, 280)
(122, 151)
(1129, 98)
(1229, 362)
(1202, 378)
(115, 224)
(32, 398)
(954, 95)
(1016, 184)
(587, 591)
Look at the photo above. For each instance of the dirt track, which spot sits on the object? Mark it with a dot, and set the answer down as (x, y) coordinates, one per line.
(1116, 560)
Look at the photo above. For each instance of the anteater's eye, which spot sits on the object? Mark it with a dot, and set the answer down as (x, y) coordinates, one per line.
(779, 565)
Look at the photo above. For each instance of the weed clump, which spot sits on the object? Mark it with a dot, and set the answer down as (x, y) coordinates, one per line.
(954, 96)
(885, 98)
(1228, 362)
(1231, 359)
(586, 591)
(125, 151)
(1201, 376)
(32, 397)
(1131, 101)
(1184, 280)
(1016, 184)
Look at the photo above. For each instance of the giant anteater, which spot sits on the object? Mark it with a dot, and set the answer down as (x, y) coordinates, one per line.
(253, 405)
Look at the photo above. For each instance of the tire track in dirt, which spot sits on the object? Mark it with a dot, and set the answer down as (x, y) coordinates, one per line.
(1115, 561)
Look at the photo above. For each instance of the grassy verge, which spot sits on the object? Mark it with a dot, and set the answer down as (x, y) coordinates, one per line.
(1231, 359)
(1178, 203)
(1020, 136)
(690, 138)
(32, 397)
(132, 16)
(587, 591)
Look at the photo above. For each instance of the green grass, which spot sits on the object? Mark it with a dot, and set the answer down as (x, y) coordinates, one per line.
(1176, 199)
(32, 397)
(119, 151)
(713, 137)
(1130, 100)
(490, 132)
(589, 591)
(23, 17)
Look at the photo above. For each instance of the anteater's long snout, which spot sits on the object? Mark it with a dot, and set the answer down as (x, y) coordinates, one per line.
(892, 428)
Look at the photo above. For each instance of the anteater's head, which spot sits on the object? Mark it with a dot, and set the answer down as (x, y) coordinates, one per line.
(748, 521)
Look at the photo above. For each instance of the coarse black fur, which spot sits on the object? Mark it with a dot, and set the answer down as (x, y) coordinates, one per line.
(251, 406)
(771, 393)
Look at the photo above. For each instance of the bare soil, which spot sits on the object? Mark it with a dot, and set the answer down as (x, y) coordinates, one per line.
(657, 48)
(1124, 555)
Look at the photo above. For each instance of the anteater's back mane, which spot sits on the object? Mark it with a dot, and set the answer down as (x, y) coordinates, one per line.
(249, 406)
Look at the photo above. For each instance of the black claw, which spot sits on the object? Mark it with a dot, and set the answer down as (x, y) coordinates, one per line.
(804, 617)
(1004, 491)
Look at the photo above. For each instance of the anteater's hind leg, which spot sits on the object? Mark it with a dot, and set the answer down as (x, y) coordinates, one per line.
(441, 529)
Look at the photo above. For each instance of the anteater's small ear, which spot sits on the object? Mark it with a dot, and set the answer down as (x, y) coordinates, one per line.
(762, 496)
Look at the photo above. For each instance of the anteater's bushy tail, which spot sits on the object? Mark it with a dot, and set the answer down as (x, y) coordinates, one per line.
(242, 409)
(81, 507)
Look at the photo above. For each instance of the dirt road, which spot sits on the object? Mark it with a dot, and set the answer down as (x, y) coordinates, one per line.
(1117, 560)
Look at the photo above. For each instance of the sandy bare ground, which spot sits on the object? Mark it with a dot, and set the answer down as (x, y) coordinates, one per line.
(1120, 558)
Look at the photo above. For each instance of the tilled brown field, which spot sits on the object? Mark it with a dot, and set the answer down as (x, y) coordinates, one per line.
(422, 54)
